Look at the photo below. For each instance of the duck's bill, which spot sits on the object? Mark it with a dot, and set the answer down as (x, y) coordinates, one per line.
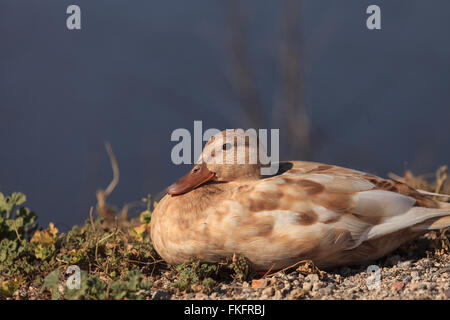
(198, 175)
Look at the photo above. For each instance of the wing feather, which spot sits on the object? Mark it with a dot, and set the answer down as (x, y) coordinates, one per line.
(352, 206)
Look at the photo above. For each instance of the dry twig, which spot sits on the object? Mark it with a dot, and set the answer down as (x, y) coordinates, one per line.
(103, 209)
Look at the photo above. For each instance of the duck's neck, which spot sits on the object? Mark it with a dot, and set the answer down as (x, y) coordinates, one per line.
(200, 198)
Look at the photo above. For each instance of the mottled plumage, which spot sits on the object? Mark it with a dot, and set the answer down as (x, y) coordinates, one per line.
(329, 214)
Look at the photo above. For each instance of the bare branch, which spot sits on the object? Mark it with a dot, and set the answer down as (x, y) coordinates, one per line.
(92, 219)
(115, 168)
(103, 209)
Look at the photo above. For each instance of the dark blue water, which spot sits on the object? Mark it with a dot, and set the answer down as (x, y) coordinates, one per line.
(138, 70)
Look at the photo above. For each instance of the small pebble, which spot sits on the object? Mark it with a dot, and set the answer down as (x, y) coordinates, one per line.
(287, 286)
(405, 264)
(201, 296)
(161, 295)
(278, 294)
(331, 286)
(397, 286)
(312, 277)
(269, 291)
(447, 293)
(291, 277)
(296, 294)
(259, 283)
(316, 286)
(423, 286)
(307, 286)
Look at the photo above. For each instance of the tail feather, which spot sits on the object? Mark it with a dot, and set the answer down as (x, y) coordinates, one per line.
(433, 224)
(428, 193)
(416, 216)
(444, 205)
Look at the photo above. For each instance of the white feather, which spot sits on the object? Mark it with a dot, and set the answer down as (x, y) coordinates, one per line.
(414, 216)
(433, 193)
(380, 203)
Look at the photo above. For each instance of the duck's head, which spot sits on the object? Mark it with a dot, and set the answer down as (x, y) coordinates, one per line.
(229, 155)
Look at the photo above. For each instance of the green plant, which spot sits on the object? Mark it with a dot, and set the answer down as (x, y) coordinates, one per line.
(195, 272)
(17, 224)
(203, 276)
(132, 286)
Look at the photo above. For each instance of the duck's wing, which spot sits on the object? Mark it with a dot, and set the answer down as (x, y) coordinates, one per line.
(358, 177)
(349, 206)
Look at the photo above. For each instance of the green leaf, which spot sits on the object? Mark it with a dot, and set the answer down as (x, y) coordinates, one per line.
(51, 282)
(17, 198)
(8, 287)
(146, 216)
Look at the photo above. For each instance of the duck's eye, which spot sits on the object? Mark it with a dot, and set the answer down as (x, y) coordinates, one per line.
(226, 146)
(195, 170)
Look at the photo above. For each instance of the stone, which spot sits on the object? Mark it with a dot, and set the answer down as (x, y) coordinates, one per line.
(269, 291)
(278, 294)
(161, 295)
(259, 283)
(398, 285)
(307, 286)
(332, 286)
(423, 286)
(405, 264)
(291, 277)
(201, 296)
(296, 294)
(312, 277)
(447, 293)
(317, 286)
(287, 286)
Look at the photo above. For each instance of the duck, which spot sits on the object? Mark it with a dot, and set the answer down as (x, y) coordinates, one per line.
(327, 214)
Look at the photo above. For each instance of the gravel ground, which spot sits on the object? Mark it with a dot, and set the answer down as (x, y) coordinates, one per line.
(411, 272)
(408, 273)
(424, 278)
